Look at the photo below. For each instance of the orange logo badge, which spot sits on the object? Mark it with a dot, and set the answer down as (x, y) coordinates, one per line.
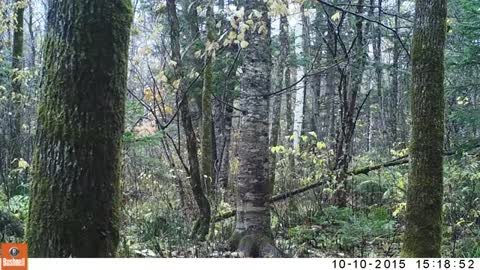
(14, 256)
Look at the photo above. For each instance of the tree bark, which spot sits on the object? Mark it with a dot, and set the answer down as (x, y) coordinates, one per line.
(207, 141)
(223, 113)
(252, 235)
(349, 109)
(281, 82)
(17, 67)
(201, 226)
(306, 62)
(74, 205)
(393, 107)
(425, 188)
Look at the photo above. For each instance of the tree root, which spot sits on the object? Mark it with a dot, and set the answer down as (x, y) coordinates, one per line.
(200, 229)
(255, 245)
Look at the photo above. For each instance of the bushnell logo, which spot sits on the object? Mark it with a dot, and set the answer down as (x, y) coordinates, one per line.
(14, 256)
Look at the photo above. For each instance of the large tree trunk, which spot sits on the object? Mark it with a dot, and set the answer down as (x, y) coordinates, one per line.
(201, 226)
(252, 234)
(423, 229)
(74, 205)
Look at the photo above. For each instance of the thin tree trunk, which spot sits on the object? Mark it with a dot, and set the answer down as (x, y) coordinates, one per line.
(31, 32)
(207, 141)
(306, 63)
(201, 227)
(349, 108)
(377, 55)
(281, 80)
(318, 114)
(74, 205)
(395, 85)
(17, 66)
(223, 107)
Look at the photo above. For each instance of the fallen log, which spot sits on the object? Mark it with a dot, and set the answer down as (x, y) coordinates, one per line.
(365, 170)
(288, 194)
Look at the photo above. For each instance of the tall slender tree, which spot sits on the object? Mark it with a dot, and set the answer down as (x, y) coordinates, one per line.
(281, 80)
(207, 141)
(201, 226)
(74, 205)
(425, 188)
(17, 66)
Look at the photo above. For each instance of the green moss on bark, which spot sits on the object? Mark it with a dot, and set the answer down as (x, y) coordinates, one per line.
(17, 66)
(425, 189)
(74, 207)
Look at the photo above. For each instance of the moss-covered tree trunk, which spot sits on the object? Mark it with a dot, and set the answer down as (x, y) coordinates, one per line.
(252, 234)
(425, 187)
(17, 66)
(74, 207)
(207, 140)
(202, 225)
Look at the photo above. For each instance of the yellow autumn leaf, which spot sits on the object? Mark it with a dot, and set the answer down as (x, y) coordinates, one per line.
(321, 145)
(168, 109)
(176, 84)
(148, 94)
(162, 77)
(244, 44)
(232, 35)
(336, 17)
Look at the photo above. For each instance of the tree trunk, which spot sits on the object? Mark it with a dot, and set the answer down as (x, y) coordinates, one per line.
(31, 32)
(207, 141)
(423, 231)
(393, 107)
(281, 81)
(201, 226)
(349, 109)
(17, 67)
(193, 39)
(377, 55)
(223, 113)
(252, 234)
(318, 112)
(306, 63)
(74, 205)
